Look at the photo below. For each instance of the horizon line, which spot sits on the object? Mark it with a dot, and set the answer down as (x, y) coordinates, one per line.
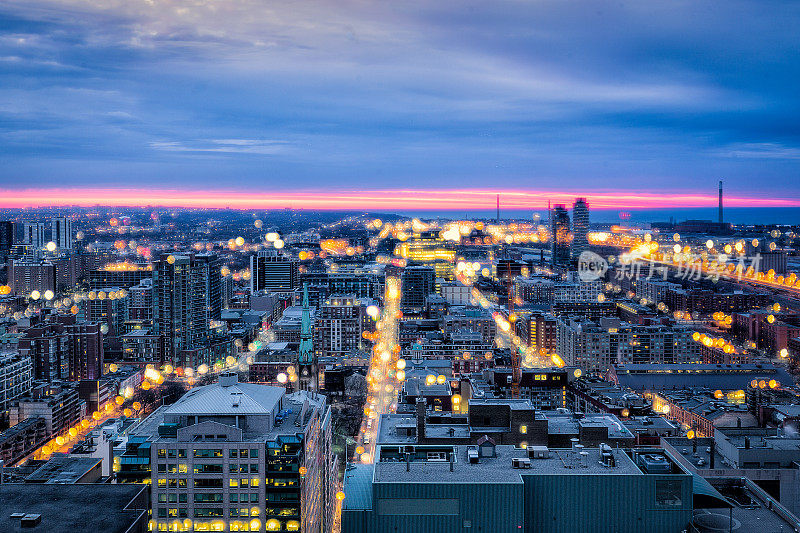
(377, 199)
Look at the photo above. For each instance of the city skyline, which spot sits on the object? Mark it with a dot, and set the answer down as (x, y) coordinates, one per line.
(245, 98)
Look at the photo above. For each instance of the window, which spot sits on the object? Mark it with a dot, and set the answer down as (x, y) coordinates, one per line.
(211, 497)
(244, 453)
(208, 483)
(182, 498)
(208, 468)
(208, 453)
(209, 512)
(233, 482)
(173, 498)
(523, 429)
(254, 468)
(162, 468)
(162, 453)
(183, 468)
(232, 468)
(234, 497)
(233, 453)
(253, 453)
(162, 498)
(172, 454)
(162, 483)
(181, 454)
(244, 482)
(173, 512)
(181, 483)
(668, 492)
(253, 497)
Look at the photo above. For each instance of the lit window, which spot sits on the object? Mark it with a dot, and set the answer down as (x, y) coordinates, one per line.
(233, 482)
(523, 429)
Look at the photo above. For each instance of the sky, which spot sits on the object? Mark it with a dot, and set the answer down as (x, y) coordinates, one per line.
(354, 104)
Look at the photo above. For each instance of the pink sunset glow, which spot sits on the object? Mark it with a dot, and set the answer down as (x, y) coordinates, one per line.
(399, 199)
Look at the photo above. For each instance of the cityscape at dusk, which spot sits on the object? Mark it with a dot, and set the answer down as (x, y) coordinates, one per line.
(370, 267)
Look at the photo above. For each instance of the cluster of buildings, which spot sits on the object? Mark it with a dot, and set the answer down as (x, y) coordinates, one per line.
(532, 397)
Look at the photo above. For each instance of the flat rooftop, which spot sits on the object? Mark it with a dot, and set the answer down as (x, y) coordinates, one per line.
(70, 508)
(498, 469)
(63, 469)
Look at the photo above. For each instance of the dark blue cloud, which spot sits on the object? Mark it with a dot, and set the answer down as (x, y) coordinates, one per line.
(312, 94)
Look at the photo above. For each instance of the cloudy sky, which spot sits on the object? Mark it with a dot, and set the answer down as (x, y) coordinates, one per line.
(295, 101)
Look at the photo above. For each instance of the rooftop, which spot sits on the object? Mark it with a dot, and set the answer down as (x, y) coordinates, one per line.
(68, 508)
(63, 469)
(228, 398)
(497, 469)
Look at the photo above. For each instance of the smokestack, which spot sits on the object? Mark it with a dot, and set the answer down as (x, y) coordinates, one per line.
(498, 209)
(720, 202)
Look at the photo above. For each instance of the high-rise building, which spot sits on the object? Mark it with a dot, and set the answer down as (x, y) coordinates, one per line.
(61, 232)
(273, 271)
(33, 233)
(6, 236)
(26, 276)
(559, 236)
(341, 323)
(86, 351)
(16, 374)
(186, 297)
(580, 226)
(418, 283)
(238, 457)
(62, 348)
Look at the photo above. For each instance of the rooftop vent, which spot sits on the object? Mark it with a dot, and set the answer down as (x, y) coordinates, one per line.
(519, 462)
(228, 379)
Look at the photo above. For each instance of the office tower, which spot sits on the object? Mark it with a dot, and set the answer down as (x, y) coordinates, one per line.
(239, 457)
(24, 277)
(186, 296)
(33, 233)
(6, 236)
(213, 284)
(16, 374)
(122, 275)
(86, 351)
(273, 272)
(341, 323)
(140, 301)
(61, 232)
(580, 227)
(306, 363)
(720, 203)
(559, 236)
(418, 282)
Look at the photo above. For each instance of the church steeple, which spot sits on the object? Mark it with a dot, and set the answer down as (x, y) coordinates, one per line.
(307, 367)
